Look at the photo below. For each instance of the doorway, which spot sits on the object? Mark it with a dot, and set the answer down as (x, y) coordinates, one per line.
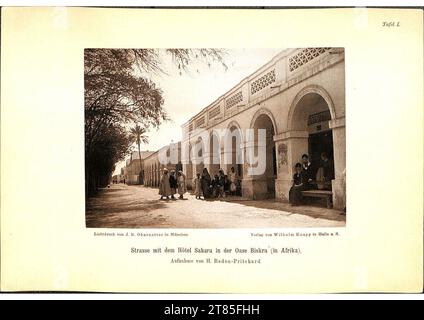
(319, 143)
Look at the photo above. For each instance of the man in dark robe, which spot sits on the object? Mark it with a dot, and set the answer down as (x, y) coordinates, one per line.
(173, 183)
(221, 183)
(205, 183)
(215, 186)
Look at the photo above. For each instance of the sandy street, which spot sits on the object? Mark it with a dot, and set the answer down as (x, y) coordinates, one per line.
(122, 206)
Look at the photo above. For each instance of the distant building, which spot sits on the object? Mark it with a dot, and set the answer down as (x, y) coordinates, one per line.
(124, 172)
(153, 167)
(122, 175)
(135, 167)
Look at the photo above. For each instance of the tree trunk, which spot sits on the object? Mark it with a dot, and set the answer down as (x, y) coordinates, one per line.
(139, 158)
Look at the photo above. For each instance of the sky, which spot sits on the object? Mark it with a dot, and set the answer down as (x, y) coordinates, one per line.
(188, 93)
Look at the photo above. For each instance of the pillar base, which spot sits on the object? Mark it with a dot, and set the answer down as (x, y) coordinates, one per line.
(282, 188)
(257, 189)
(339, 194)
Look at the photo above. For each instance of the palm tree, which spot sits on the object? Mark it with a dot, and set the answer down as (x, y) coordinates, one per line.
(138, 135)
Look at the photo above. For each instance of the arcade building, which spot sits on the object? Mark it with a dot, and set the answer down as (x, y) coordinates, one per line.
(299, 99)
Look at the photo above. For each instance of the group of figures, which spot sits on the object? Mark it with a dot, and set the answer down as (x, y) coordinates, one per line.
(310, 176)
(172, 183)
(204, 185)
(216, 187)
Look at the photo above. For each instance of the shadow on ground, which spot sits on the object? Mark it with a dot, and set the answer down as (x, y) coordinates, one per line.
(112, 206)
(313, 209)
(133, 206)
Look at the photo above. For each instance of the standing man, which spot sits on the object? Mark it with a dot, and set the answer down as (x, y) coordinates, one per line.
(205, 183)
(164, 187)
(328, 169)
(197, 186)
(181, 180)
(307, 173)
(221, 183)
(233, 180)
(214, 186)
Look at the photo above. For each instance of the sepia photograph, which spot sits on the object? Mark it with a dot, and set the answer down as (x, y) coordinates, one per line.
(215, 138)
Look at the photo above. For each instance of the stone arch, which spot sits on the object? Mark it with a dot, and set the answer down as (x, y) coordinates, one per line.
(307, 90)
(235, 124)
(310, 130)
(198, 153)
(260, 112)
(214, 156)
(232, 150)
(231, 125)
(264, 173)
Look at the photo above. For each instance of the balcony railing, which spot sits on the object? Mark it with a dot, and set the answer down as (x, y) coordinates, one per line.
(259, 84)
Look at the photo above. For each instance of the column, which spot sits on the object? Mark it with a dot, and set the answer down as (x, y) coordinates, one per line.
(226, 157)
(187, 165)
(339, 147)
(254, 186)
(290, 146)
(207, 163)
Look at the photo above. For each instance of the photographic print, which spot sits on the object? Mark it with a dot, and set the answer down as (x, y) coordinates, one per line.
(205, 151)
(215, 138)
